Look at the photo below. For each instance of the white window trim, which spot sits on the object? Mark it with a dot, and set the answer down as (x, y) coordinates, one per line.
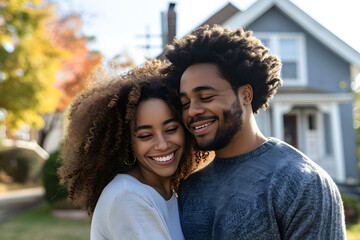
(274, 38)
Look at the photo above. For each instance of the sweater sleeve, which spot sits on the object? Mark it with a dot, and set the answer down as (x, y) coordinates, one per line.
(309, 206)
(136, 217)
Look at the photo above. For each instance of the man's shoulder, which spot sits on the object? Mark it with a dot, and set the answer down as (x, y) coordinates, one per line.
(295, 168)
(291, 158)
(283, 149)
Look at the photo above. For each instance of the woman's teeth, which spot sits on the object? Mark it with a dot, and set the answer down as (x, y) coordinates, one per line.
(202, 126)
(165, 158)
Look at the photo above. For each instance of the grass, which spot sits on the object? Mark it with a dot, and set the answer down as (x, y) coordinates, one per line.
(353, 232)
(38, 224)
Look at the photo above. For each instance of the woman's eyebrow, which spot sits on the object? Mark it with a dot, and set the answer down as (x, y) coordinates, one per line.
(143, 127)
(170, 120)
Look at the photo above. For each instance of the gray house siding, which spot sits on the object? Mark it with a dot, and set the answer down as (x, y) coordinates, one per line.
(322, 75)
(325, 70)
(349, 141)
(273, 21)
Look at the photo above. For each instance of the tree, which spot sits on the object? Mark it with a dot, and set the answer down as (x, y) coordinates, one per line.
(29, 62)
(76, 69)
(356, 111)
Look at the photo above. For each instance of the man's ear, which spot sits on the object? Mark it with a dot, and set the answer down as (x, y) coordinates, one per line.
(245, 92)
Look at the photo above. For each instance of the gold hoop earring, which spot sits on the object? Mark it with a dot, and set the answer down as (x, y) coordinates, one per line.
(132, 163)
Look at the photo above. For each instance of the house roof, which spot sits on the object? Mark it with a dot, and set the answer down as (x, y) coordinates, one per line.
(311, 98)
(330, 40)
(218, 18)
(299, 90)
(301, 94)
(222, 15)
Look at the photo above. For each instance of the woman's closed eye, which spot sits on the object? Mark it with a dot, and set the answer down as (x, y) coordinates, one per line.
(171, 129)
(144, 135)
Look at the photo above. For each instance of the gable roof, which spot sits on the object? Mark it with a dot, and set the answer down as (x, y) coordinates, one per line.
(330, 40)
(222, 15)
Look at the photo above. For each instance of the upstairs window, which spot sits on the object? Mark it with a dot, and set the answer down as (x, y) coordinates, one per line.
(289, 54)
(290, 48)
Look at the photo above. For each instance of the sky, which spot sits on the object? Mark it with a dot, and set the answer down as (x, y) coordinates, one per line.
(120, 25)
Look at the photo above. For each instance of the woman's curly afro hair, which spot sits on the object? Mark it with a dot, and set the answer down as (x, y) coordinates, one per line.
(241, 59)
(97, 143)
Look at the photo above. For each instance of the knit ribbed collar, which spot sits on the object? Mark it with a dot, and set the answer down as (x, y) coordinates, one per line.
(244, 157)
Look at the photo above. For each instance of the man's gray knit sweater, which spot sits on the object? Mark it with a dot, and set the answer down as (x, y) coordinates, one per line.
(272, 192)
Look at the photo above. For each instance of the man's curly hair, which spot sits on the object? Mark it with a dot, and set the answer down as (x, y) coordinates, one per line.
(98, 140)
(240, 57)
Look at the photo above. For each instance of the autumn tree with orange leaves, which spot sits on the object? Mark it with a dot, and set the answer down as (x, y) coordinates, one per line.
(76, 69)
(74, 74)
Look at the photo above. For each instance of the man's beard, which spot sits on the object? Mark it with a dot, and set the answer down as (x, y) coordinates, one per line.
(225, 133)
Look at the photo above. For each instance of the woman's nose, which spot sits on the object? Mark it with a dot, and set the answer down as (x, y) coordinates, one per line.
(162, 142)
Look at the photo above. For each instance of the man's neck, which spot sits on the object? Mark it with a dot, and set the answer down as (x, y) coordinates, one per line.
(247, 139)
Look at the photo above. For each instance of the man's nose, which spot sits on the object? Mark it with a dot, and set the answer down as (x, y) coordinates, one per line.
(195, 109)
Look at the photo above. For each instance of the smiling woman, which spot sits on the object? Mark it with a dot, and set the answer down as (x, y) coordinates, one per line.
(125, 153)
(158, 143)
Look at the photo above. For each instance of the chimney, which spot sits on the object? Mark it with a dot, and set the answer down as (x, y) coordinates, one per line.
(171, 20)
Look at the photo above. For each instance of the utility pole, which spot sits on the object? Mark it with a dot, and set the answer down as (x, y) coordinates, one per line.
(148, 46)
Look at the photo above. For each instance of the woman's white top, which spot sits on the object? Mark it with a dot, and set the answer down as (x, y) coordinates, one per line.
(128, 209)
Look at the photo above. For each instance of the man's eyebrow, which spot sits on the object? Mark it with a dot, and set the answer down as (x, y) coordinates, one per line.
(198, 89)
(149, 126)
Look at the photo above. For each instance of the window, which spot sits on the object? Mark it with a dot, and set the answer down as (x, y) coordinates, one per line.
(290, 48)
(289, 54)
(312, 122)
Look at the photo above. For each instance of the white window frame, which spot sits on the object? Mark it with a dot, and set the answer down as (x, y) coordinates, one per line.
(274, 40)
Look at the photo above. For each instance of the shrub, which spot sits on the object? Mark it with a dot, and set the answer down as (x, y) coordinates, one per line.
(352, 209)
(22, 165)
(54, 192)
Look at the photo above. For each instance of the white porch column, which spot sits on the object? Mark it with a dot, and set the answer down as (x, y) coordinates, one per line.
(337, 144)
(278, 111)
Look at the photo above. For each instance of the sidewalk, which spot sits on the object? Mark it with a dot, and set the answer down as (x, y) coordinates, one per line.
(15, 202)
(22, 193)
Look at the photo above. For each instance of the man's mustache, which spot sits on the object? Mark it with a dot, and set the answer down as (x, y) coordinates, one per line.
(200, 118)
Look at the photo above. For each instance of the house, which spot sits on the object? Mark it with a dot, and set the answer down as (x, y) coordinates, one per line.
(313, 109)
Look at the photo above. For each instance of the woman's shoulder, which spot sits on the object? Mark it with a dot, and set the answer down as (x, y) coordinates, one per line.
(126, 183)
(123, 185)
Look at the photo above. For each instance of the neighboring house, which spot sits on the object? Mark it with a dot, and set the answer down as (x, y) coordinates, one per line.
(313, 109)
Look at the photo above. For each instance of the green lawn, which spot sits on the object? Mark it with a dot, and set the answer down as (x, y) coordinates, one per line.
(38, 224)
(353, 232)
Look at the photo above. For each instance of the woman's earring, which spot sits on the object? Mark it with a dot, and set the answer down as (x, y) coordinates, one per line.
(132, 163)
